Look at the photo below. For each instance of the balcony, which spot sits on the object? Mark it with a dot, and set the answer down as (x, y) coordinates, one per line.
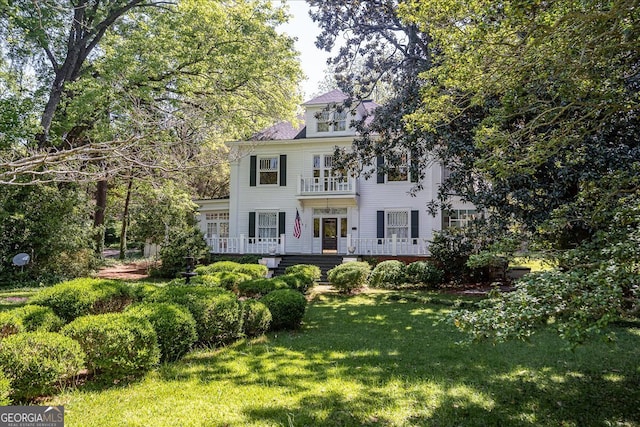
(327, 187)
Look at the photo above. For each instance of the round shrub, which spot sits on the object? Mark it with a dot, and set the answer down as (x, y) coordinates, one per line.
(296, 282)
(311, 272)
(5, 389)
(39, 363)
(174, 326)
(10, 323)
(230, 281)
(256, 271)
(39, 318)
(217, 267)
(215, 310)
(80, 297)
(349, 276)
(206, 280)
(422, 272)
(140, 291)
(287, 308)
(388, 274)
(116, 345)
(259, 287)
(256, 318)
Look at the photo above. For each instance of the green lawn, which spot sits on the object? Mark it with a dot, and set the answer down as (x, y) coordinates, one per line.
(376, 359)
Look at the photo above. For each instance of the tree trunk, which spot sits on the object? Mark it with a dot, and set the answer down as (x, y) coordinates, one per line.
(125, 221)
(99, 215)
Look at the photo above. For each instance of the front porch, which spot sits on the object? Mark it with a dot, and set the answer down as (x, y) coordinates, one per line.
(391, 246)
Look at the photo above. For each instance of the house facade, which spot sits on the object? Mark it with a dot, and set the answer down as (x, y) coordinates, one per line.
(285, 197)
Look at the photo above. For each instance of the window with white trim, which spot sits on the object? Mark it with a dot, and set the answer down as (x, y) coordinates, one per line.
(399, 172)
(217, 224)
(458, 218)
(268, 170)
(324, 121)
(397, 222)
(332, 121)
(267, 225)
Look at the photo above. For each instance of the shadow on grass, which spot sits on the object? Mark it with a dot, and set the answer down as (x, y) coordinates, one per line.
(370, 360)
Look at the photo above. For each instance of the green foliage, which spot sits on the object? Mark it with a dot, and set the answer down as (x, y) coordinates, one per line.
(48, 223)
(220, 266)
(350, 276)
(174, 326)
(312, 272)
(39, 363)
(230, 281)
(260, 287)
(180, 244)
(287, 308)
(422, 272)
(301, 282)
(84, 296)
(256, 318)
(116, 345)
(5, 389)
(450, 249)
(216, 311)
(38, 318)
(256, 271)
(388, 274)
(10, 323)
(208, 280)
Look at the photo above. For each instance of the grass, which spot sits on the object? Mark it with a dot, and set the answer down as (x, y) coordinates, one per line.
(377, 359)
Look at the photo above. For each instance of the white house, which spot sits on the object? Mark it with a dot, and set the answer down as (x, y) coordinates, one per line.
(285, 172)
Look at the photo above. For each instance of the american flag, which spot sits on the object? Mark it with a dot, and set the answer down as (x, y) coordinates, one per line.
(296, 226)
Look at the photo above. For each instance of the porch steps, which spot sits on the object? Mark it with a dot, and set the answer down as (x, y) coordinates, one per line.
(325, 262)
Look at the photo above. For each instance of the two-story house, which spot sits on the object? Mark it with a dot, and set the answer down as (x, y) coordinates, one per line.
(285, 198)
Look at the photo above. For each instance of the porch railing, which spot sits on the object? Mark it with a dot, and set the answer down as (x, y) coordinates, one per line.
(247, 245)
(326, 185)
(393, 246)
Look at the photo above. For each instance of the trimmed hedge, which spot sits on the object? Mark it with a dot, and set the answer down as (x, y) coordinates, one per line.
(426, 273)
(230, 280)
(80, 297)
(174, 326)
(388, 274)
(287, 308)
(5, 389)
(209, 280)
(215, 310)
(116, 345)
(10, 323)
(256, 318)
(39, 363)
(216, 267)
(29, 318)
(256, 271)
(311, 272)
(259, 287)
(349, 276)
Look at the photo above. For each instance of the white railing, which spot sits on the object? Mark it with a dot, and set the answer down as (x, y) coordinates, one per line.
(247, 245)
(327, 185)
(393, 246)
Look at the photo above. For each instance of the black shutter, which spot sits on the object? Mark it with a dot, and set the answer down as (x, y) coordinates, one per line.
(281, 222)
(253, 160)
(413, 166)
(283, 170)
(252, 224)
(380, 220)
(379, 163)
(414, 224)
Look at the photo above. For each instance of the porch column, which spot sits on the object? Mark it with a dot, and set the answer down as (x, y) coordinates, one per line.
(242, 241)
(394, 244)
(282, 244)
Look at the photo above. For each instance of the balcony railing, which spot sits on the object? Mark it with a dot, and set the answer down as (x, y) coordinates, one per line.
(326, 185)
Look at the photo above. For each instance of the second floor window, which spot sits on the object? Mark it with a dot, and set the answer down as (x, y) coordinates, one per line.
(268, 170)
(400, 172)
(332, 121)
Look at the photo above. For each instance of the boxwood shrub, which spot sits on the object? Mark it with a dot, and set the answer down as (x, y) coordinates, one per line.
(10, 323)
(256, 271)
(260, 287)
(349, 276)
(215, 310)
(256, 318)
(80, 297)
(217, 267)
(287, 308)
(174, 326)
(209, 280)
(311, 272)
(5, 389)
(230, 281)
(39, 318)
(388, 274)
(424, 273)
(39, 363)
(116, 345)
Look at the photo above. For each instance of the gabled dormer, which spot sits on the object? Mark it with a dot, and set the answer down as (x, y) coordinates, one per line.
(326, 115)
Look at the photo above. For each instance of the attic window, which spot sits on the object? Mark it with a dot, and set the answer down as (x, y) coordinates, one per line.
(332, 121)
(324, 119)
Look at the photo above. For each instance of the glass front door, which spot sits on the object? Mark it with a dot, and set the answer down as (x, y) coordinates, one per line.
(329, 235)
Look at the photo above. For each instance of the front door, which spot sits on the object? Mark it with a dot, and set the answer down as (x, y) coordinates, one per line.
(329, 235)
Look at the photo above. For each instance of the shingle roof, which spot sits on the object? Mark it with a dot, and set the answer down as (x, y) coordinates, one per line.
(281, 131)
(335, 95)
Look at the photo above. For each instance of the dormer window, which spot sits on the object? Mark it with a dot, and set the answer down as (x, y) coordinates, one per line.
(332, 121)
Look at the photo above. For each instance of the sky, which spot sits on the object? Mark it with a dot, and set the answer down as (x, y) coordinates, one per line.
(313, 60)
